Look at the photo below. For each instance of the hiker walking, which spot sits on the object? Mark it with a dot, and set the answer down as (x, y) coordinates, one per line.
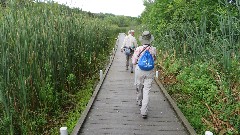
(129, 45)
(144, 76)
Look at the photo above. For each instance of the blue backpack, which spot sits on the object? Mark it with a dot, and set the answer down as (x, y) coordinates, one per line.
(146, 62)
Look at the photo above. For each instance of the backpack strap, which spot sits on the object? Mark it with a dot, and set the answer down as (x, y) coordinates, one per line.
(144, 49)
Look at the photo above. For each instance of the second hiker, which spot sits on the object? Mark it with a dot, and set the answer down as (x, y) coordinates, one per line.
(129, 45)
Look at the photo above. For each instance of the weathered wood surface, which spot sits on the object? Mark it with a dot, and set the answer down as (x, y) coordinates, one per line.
(114, 109)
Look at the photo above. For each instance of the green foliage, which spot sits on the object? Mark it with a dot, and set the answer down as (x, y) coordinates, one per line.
(195, 29)
(121, 21)
(80, 99)
(47, 52)
(71, 79)
(172, 66)
(205, 98)
(204, 38)
(197, 80)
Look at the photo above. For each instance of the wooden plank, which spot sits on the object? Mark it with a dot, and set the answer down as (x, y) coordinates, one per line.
(131, 132)
(113, 110)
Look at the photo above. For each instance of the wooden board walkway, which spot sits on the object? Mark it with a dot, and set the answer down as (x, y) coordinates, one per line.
(113, 108)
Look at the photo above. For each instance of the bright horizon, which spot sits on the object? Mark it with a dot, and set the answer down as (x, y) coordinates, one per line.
(132, 8)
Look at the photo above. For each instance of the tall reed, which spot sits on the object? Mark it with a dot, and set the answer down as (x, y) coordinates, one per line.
(41, 45)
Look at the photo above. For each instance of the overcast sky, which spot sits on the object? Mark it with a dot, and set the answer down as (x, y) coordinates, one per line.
(132, 8)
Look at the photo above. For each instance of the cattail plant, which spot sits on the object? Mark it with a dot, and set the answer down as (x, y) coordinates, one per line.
(47, 51)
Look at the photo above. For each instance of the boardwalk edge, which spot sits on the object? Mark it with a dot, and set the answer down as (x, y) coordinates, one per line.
(77, 128)
(185, 122)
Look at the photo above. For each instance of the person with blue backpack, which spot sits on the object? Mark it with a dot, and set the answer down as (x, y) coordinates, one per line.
(144, 57)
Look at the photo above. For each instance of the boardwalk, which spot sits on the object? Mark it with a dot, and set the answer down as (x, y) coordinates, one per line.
(114, 109)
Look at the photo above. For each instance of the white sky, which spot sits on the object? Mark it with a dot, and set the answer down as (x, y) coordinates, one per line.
(132, 8)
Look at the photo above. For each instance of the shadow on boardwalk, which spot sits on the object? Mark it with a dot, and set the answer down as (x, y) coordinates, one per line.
(113, 108)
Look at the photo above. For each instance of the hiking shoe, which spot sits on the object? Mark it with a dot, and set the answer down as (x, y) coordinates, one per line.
(144, 116)
(139, 103)
(131, 69)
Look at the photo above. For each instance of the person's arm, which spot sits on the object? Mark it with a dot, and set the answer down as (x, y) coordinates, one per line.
(154, 53)
(135, 56)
